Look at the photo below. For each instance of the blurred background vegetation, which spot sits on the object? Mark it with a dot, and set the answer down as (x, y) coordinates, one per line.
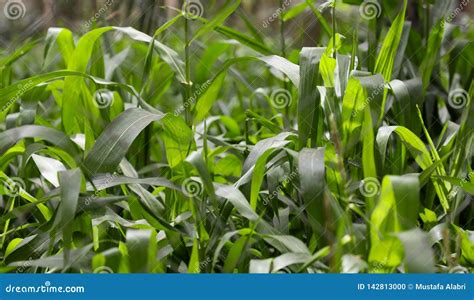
(433, 62)
(147, 15)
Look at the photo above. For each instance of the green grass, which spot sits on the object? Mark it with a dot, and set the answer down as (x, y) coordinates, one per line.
(207, 149)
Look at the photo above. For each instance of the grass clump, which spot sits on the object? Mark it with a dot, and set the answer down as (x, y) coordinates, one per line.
(204, 148)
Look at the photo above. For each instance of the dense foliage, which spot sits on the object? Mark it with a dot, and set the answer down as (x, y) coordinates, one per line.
(208, 148)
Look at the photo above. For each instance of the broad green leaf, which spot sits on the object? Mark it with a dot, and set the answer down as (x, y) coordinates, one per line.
(70, 181)
(102, 182)
(238, 200)
(432, 52)
(64, 40)
(396, 211)
(401, 54)
(362, 91)
(12, 185)
(75, 93)
(462, 183)
(12, 136)
(258, 176)
(417, 149)
(139, 246)
(168, 55)
(368, 155)
(49, 168)
(419, 257)
(113, 143)
(217, 20)
(236, 252)
(207, 99)
(294, 11)
(178, 139)
(194, 265)
(18, 53)
(388, 53)
(12, 93)
(312, 172)
(467, 243)
(309, 102)
(244, 39)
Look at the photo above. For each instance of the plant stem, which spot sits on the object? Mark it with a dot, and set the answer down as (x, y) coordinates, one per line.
(282, 33)
(427, 21)
(187, 68)
(334, 29)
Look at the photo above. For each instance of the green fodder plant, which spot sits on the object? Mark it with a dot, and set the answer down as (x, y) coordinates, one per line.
(205, 149)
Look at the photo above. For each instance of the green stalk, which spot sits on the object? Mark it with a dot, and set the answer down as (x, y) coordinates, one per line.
(282, 33)
(7, 223)
(355, 45)
(204, 144)
(283, 54)
(427, 21)
(187, 74)
(334, 29)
